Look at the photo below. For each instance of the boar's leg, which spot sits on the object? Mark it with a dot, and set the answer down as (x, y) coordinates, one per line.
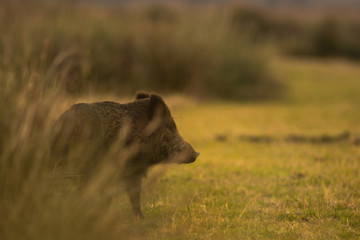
(133, 187)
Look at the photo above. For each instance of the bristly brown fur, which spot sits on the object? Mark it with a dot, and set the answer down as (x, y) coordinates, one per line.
(96, 126)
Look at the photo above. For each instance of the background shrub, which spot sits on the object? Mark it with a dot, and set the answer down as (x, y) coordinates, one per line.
(158, 47)
(325, 33)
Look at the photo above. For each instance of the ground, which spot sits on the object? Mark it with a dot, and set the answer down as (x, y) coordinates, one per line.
(282, 169)
(242, 189)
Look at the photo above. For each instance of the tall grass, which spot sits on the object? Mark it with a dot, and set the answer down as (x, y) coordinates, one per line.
(35, 203)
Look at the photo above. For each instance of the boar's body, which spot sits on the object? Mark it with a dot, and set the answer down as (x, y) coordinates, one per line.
(89, 130)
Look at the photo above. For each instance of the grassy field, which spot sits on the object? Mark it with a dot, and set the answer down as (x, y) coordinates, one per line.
(257, 190)
(280, 158)
(250, 181)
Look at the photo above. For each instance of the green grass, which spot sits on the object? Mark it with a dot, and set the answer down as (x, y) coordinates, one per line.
(280, 190)
(235, 190)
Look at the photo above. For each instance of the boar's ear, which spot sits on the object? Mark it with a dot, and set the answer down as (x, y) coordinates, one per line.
(141, 95)
(158, 106)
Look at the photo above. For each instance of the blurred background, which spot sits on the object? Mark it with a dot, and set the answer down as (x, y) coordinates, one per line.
(201, 48)
(268, 91)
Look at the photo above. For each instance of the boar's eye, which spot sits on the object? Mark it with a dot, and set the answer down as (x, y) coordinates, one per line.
(171, 126)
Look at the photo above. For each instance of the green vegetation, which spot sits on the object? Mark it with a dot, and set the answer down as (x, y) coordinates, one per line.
(280, 190)
(318, 32)
(84, 48)
(237, 189)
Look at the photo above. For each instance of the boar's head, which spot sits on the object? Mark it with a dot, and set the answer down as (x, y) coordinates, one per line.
(161, 134)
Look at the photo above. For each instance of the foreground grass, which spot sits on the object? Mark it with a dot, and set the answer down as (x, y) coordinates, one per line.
(277, 190)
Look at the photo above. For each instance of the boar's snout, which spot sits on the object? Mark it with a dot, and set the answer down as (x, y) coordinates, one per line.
(190, 154)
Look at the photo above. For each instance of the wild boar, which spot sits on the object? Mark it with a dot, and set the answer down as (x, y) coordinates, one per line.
(91, 129)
